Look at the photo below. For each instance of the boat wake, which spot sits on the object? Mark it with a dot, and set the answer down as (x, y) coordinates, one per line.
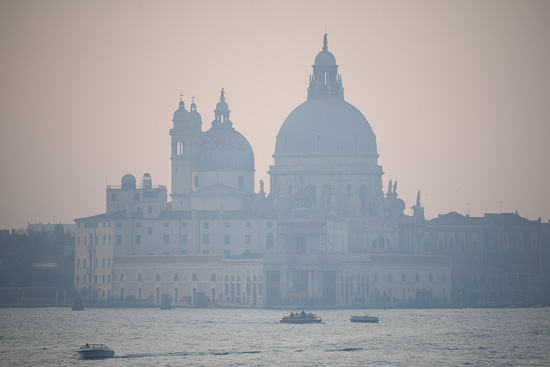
(350, 349)
(184, 354)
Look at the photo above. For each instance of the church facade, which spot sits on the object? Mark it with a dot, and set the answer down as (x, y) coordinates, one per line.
(326, 234)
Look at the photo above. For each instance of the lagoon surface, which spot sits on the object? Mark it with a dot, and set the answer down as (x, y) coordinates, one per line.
(251, 337)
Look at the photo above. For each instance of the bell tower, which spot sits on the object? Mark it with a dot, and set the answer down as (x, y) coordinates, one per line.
(184, 137)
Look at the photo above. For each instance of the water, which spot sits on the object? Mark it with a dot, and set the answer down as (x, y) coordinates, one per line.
(236, 337)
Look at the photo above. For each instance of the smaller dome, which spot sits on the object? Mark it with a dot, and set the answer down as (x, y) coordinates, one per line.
(181, 113)
(128, 182)
(325, 58)
(224, 148)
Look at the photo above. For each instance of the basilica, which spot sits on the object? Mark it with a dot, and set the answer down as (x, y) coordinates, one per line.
(327, 234)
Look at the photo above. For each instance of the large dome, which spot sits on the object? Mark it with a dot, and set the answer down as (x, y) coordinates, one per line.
(321, 127)
(223, 148)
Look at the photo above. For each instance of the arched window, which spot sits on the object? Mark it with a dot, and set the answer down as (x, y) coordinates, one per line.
(157, 277)
(376, 277)
(213, 277)
(381, 243)
(194, 278)
(403, 277)
(140, 277)
(176, 277)
(311, 200)
(327, 197)
(121, 277)
(417, 277)
(180, 148)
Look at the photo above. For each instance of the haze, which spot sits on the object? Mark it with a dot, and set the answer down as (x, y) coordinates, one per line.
(457, 93)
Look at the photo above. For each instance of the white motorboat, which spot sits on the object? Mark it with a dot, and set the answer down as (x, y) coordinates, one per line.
(88, 351)
(364, 319)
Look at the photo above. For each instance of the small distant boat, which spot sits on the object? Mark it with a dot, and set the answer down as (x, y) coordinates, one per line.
(301, 318)
(364, 319)
(89, 351)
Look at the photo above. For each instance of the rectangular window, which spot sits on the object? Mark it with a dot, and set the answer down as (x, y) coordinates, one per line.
(247, 239)
(138, 224)
(119, 239)
(227, 224)
(226, 253)
(149, 209)
(149, 230)
(226, 239)
(184, 224)
(109, 263)
(196, 181)
(138, 239)
(269, 224)
(118, 224)
(166, 224)
(103, 239)
(78, 263)
(241, 181)
(113, 197)
(104, 279)
(184, 239)
(205, 252)
(205, 239)
(108, 279)
(103, 265)
(136, 197)
(184, 252)
(248, 224)
(166, 239)
(78, 241)
(109, 240)
(206, 225)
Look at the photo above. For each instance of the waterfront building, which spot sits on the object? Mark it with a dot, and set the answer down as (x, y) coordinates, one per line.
(326, 234)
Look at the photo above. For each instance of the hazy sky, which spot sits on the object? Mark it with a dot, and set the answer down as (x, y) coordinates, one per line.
(457, 93)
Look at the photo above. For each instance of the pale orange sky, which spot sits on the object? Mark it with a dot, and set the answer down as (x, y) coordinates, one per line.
(457, 93)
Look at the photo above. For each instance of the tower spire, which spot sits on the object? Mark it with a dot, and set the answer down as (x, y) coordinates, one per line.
(325, 42)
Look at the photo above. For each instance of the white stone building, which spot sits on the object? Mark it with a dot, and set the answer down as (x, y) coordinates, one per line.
(326, 234)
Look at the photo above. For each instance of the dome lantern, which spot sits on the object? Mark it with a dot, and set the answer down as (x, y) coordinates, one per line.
(325, 82)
